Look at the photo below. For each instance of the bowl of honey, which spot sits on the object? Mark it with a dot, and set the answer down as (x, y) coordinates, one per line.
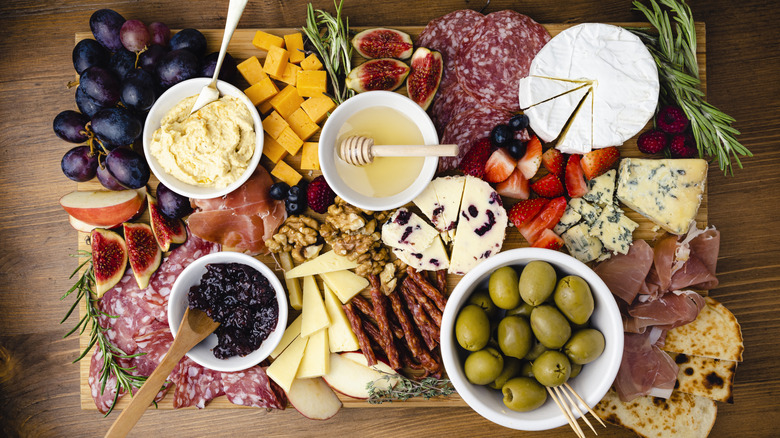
(389, 119)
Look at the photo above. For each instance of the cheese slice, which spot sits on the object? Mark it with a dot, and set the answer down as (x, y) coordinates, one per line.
(432, 258)
(285, 367)
(440, 202)
(581, 245)
(290, 333)
(614, 229)
(328, 262)
(294, 291)
(577, 136)
(316, 356)
(408, 231)
(315, 317)
(345, 284)
(549, 118)
(534, 90)
(340, 334)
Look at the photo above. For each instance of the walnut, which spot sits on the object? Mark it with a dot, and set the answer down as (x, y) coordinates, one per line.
(298, 235)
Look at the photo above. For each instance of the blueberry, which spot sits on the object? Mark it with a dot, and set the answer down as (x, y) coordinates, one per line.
(516, 149)
(279, 191)
(501, 135)
(295, 208)
(518, 122)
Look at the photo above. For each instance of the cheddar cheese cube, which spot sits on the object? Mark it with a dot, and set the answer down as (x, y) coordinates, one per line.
(276, 61)
(272, 149)
(302, 124)
(265, 41)
(274, 124)
(251, 70)
(311, 62)
(290, 141)
(318, 107)
(284, 172)
(310, 156)
(312, 83)
(286, 101)
(290, 74)
(294, 44)
(265, 107)
(261, 91)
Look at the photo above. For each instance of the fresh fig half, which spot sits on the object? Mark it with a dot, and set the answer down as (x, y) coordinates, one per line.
(381, 42)
(142, 251)
(377, 74)
(109, 258)
(166, 230)
(425, 77)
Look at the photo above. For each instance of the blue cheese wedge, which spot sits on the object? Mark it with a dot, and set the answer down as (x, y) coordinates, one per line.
(602, 189)
(614, 229)
(405, 230)
(588, 211)
(568, 220)
(432, 258)
(668, 192)
(581, 245)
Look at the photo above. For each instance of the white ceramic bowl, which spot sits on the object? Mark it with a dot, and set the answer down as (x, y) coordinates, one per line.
(595, 378)
(328, 152)
(170, 99)
(202, 353)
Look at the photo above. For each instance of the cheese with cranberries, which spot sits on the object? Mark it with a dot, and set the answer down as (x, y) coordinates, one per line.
(405, 230)
(432, 258)
(440, 202)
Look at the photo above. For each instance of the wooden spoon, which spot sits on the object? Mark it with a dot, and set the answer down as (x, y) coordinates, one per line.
(195, 327)
(359, 151)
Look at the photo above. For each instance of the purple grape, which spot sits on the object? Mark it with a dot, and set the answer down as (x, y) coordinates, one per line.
(177, 66)
(70, 126)
(88, 53)
(86, 104)
(116, 127)
(172, 204)
(122, 61)
(150, 57)
(79, 164)
(128, 168)
(189, 39)
(134, 35)
(105, 25)
(108, 181)
(228, 71)
(138, 90)
(101, 85)
(160, 33)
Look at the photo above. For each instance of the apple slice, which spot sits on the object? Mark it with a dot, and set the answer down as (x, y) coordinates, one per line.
(82, 226)
(313, 398)
(380, 365)
(351, 378)
(104, 208)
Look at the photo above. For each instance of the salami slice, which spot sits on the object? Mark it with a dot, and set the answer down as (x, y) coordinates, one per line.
(252, 387)
(466, 128)
(447, 34)
(450, 102)
(102, 395)
(498, 55)
(195, 385)
(122, 315)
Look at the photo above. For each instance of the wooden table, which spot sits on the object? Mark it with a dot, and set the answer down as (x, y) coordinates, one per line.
(39, 387)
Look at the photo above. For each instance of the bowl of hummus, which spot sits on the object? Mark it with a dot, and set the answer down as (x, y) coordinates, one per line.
(209, 153)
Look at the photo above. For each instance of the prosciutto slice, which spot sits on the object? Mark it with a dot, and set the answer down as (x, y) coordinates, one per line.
(645, 368)
(625, 274)
(671, 310)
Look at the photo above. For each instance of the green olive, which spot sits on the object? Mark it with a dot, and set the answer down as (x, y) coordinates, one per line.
(524, 309)
(550, 326)
(472, 328)
(503, 288)
(552, 368)
(584, 346)
(537, 349)
(482, 299)
(527, 369)
(483, 366)
(523, 394)
(514, 336)
(574, 299)
(511, 369)
(575, 370)
(537, 282)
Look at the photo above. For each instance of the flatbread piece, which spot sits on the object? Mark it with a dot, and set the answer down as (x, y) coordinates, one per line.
(704, 376)
(714, 333)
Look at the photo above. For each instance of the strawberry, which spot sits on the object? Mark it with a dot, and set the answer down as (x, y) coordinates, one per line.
(532, 159)
(598, 161)
(523, 211)
(499, 166)
(319, 195)
(549, 240)
(516, 186)
(575, 180)
(549, 186)
(554, 161)
(546, 219)
(473, 163)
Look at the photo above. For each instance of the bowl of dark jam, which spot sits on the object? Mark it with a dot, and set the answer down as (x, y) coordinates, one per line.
(244, 296)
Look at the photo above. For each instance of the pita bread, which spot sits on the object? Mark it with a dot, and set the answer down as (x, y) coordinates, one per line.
(704, 376)
(682, 415)
(714, 333)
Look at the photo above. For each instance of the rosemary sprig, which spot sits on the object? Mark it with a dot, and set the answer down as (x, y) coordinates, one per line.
(84, 288)
(674, 51)
(407, 388)
(332, 44)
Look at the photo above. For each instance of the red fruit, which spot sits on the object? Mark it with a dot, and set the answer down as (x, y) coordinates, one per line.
(166, 230)
(383, 43)
(554, 161)
(499, 166)
(377, 74)
(319, 195)
(142, 251)
(598, 161)
(549, 240)
(473, 163)
(549, 186)
(516, 186)
(524, 211)
(683, 146)
(672, 120)
(109, 259)
(546, 219)
(652, 141)
(575, 179)
(532, 159)
(424, 80)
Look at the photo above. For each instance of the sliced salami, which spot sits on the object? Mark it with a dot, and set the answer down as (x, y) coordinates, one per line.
(195, 385)
(447, 34)
(122, 313)
(466, 128)
(252, 387)
(450, 102)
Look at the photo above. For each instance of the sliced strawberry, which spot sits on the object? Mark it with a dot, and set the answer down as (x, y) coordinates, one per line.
(516, 186)
(598, 161)
(549, 240)
(532, 159)
(499, 166)
(554, 161)
(524, 211)
(546, 219)
(575, 180)
(473, 163)
(549, 186)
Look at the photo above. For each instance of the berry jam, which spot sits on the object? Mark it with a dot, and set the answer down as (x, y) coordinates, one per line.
(242, 300)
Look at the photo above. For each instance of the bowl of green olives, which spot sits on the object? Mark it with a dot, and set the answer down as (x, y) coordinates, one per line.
(526, 320)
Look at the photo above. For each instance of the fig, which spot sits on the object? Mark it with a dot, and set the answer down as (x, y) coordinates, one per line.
(425, 76)
(142, 251)
(166, 230)
(109, 258)
(381, 42)
(172, 204)
(377, 74)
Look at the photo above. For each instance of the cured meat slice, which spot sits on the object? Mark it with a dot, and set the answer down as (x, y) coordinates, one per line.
(102, 395)
(466, 128)
(195, 385)
(154, 346)
(449, 102)
(447, 34)
(668, 311)
(625, 274)
(645, 368)
(498, 54)
(122, 313)
(663, 258)
(252, 387)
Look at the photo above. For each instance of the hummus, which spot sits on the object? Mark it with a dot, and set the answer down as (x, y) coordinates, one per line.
(211, 148)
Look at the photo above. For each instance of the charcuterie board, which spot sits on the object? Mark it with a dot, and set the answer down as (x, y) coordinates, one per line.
(241, 48)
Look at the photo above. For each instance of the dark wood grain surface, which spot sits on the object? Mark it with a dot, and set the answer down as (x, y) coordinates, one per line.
(39, 387)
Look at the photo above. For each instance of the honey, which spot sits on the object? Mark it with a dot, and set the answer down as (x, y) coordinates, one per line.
(385, 176)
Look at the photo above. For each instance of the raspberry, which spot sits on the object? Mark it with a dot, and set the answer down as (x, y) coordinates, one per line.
(320, 195)
(672, 120)
(652, 141)
(683, 146)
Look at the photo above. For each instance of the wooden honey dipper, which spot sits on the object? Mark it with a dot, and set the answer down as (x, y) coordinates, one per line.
(359, 151)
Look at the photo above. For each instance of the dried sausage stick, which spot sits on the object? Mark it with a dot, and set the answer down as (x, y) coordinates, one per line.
(428, 330)
(428, 363)
(357, 327)
(365, 307)
(383, 323)
(427, 288)
(441, 280)
(429, 307)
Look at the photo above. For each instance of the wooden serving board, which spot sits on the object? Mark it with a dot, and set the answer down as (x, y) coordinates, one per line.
(241, 48)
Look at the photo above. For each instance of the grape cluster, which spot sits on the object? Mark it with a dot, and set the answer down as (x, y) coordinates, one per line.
(122, 72)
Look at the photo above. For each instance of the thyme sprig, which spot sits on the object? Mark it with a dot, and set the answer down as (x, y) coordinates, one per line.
(406, 388)
(330, 37)
(84, 289)
(674, 51)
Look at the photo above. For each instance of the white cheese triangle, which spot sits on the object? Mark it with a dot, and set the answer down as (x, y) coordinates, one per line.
(548, 119)
(534, 90)
(432, 258)
(577, 137)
